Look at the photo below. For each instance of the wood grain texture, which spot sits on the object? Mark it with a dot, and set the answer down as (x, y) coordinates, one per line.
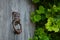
(24, 7)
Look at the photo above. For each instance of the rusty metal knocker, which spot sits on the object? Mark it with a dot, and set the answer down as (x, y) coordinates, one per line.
(16, 21)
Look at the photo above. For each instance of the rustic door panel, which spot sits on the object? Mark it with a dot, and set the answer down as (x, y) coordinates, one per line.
(24, 7)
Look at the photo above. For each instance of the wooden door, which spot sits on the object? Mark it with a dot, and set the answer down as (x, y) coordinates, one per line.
(24, 7)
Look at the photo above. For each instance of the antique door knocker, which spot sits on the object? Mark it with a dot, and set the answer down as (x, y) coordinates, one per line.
(16, 21)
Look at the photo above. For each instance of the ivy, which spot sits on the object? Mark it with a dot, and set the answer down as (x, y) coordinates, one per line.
(40, 35)
(52, 25)
(35, 18)
(35, 1)
(41, 10)
(47, 19)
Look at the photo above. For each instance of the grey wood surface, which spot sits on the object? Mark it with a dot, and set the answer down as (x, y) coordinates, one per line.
(24, 7)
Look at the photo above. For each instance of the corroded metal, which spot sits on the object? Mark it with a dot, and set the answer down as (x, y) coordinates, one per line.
(16, 21)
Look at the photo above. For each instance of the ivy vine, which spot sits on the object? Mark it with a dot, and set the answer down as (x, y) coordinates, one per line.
(47, 20)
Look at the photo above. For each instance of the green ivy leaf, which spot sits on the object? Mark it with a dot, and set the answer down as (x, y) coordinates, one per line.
(35, 1)
(46, 38)
(35, 38)
(37, 18)
(41, 34)
(52, 25)
(49, 10)
(54, 8)
(58, 8)
(41, 10)
(32, 16)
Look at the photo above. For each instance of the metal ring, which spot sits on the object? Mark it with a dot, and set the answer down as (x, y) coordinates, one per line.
(17, 31)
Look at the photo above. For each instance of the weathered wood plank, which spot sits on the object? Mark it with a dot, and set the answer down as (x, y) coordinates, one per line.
(5, 21)
(24, 7)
